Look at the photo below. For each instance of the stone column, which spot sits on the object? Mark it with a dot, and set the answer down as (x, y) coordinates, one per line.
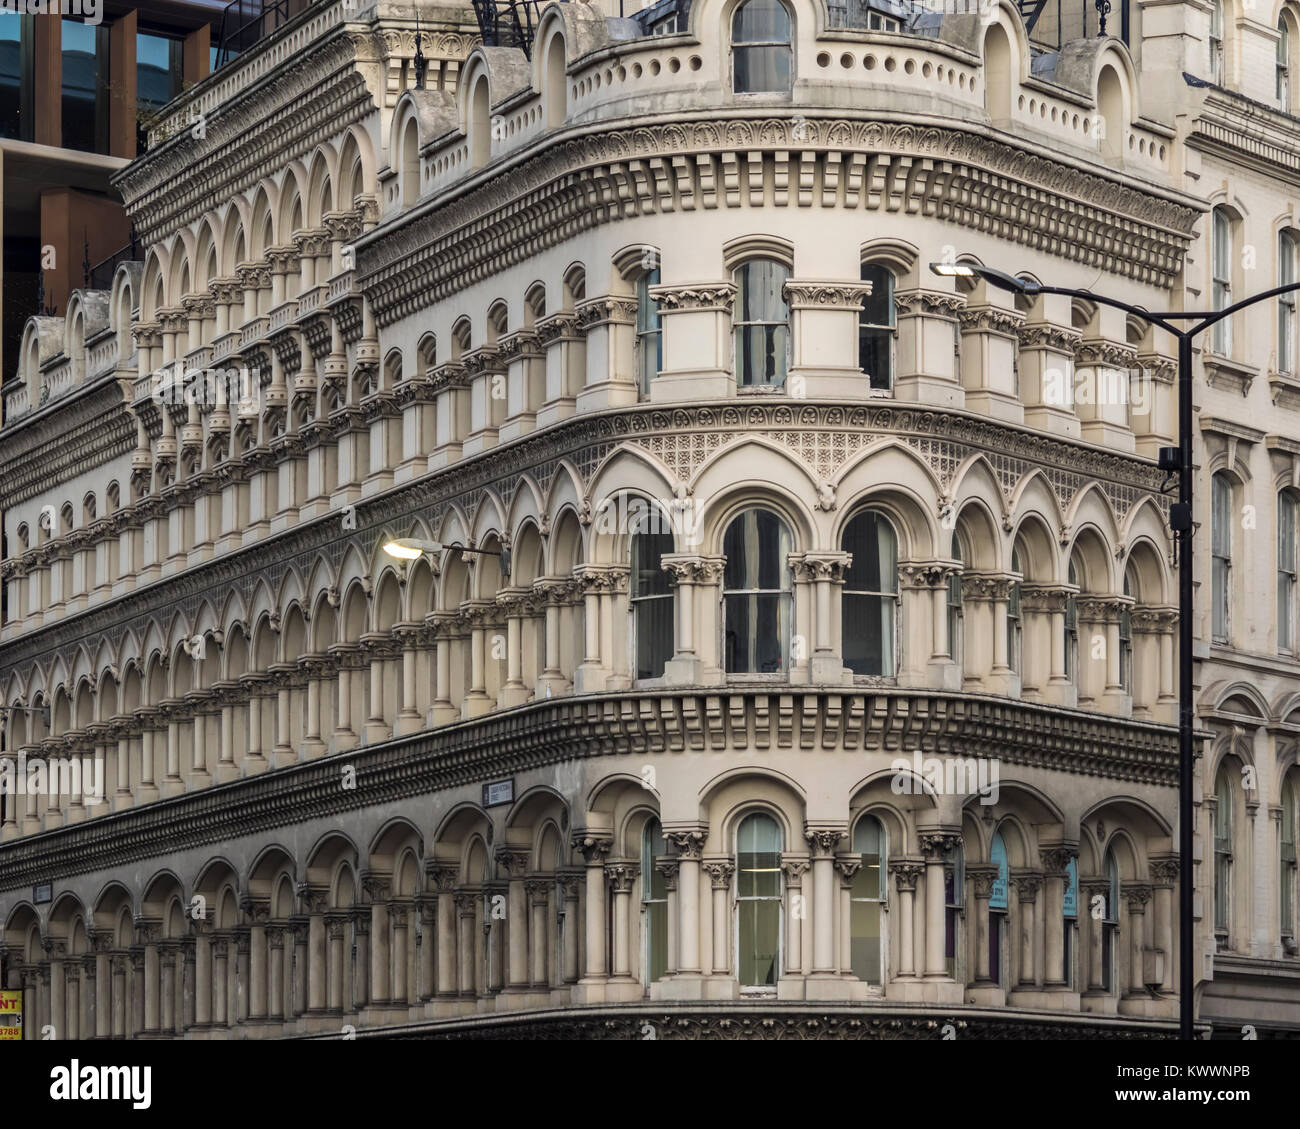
(335, 930)
(513, 863)
(220, 988)
(443, 879)
(275, 973)
(669, 868)
(622, 875)
(822, 842)
(793, 868)
(1164, 879)
(258, 913)
(571, 885)
(1055, 860)
(1136, 896)
(203, 993)
(466, 911)
(595, 848)
(825, 573)
(935, 845)
(847, 866)
(377, 889)
(1027, 887)
(359, 917)
(427, 909)
(1089, 889)
(906, 872)
(688, 844)
(300, 927)
(539, 892)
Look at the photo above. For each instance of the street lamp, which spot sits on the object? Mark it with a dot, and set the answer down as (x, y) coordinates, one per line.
(412, 549)
(1173, 460)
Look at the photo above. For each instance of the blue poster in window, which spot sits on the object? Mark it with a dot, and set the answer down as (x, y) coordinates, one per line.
(1071, 888)
(998, 856)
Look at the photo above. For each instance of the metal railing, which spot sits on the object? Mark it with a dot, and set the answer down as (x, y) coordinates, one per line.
(508, 23)
(100, 276)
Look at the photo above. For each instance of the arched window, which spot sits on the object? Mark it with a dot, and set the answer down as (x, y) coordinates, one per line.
(998, 906)
(1286, 571)
(876, 327)
(649, 333)
(1286, 319)
(954, 899)
(955, 619)
(757, 604)
(1013, 613)
(1216, 41)
(1283, 90)
(1287, 868)
(1126, 640)
(870, 598)
(1220, 553)
(654, 901)
(760, 48)
(1222, 852)
(762, 322)
(1221, 280)
(758, 901)
(652, 600)
(1110, 924)
(866, 897)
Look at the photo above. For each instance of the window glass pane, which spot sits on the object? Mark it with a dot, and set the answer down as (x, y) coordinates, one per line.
(878, 308)
(157, 69)
(868, 841)
(870, 539)
(865, 955)
(758, 888)
(998, 857)
(761, 70)
(760, 21)
(868, 634)
(14, 70)
(762, 323)
(85, 84)
(648, 579)
(756, 546)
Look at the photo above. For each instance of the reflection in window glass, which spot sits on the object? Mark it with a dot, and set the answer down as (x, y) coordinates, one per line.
(85, 86)
(15, 76)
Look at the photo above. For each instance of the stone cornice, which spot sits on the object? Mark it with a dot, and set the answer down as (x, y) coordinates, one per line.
(823, 435)
(580, 727)
(439, 248)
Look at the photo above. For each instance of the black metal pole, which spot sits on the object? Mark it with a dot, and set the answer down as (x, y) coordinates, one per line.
(1186, 970)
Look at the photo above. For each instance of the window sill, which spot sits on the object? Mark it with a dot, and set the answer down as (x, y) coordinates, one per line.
(1226, 373)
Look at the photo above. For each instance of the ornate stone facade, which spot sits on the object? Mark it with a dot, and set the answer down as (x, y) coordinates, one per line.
(792, 648)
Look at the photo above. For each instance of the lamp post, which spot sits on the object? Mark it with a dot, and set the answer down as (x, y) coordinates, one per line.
(1172, 460)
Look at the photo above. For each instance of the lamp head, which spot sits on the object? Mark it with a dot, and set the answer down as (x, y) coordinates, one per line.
(989, 274)
(410, 549)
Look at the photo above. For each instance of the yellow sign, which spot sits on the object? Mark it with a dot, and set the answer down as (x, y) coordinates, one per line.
(11, 1015)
